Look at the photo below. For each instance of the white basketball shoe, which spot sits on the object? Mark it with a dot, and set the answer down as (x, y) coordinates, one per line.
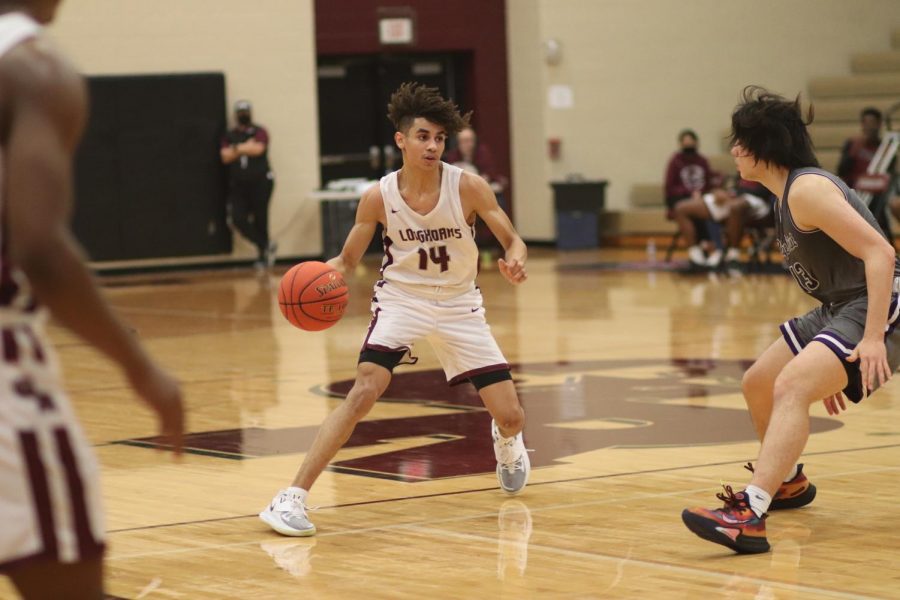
(286, 514)
(513, 465)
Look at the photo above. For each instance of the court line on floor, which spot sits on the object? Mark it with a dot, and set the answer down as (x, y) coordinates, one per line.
(430, 520)
(492, 513)
(485, 489)
(653, 564)
(429, 529)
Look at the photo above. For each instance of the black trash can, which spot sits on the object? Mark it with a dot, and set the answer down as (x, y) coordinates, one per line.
(578, 206)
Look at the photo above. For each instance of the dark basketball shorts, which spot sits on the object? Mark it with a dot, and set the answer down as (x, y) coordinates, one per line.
(840, 327)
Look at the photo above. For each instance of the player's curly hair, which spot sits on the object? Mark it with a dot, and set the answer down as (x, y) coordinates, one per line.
(413, 100)
(772, 129)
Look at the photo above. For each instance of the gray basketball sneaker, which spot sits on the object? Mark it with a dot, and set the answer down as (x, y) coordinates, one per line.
(286, 514)
(513, 465)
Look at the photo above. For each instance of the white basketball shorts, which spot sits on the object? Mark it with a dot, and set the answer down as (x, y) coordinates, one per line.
(455, 327)
(50, 508)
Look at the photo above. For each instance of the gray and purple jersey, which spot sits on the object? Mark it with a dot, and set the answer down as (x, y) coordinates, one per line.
(824, 269)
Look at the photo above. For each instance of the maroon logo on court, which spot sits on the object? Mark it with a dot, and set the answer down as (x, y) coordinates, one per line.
(570, 408)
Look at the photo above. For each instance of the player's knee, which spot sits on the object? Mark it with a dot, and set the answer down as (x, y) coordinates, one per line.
(511, 418)
(752, 384)
(785, 392)
(362, 397)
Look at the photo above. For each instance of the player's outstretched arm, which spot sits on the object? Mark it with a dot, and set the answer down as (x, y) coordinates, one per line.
(44, 102)
(369, 213)
(817, 203)
(480, 197)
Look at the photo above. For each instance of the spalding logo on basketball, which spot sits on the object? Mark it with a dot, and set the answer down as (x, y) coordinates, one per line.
(312, 296)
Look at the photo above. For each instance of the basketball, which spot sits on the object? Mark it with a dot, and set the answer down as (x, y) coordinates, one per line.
(312, 296)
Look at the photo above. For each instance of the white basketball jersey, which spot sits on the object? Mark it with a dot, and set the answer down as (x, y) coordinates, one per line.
(431, 255)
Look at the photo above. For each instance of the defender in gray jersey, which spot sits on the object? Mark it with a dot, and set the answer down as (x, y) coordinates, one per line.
(847, 346)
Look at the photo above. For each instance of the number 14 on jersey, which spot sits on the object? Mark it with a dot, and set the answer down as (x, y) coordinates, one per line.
(437, 254)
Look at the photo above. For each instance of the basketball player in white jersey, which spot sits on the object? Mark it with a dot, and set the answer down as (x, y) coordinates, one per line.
(51, 525)
(427, 290)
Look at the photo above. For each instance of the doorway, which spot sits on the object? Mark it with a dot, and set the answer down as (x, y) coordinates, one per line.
(356, 139)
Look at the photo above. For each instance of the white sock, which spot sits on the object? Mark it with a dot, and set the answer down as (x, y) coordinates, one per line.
(298, 492)
(759, 499)
(792, 474)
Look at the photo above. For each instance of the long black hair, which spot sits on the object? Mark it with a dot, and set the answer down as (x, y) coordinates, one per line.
(773, 129)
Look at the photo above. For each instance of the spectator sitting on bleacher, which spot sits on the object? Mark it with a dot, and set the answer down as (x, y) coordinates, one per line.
(859, 150)
(736, 204)
(687, 172)
(856, 155)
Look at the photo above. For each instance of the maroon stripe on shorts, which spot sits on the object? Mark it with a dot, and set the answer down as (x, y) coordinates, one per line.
(371, 328)
(40, 492)
(36, 347)
(10, 346)
(86, 542)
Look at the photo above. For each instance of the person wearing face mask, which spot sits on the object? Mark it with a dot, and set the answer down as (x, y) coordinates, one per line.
(688, 171)
(245, 150)
(688, 176)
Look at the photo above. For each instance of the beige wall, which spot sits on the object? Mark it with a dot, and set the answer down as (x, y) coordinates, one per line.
(640, 70)
(266, 48)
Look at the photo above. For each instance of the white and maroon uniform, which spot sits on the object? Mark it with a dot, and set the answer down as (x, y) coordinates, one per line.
(428, 288)
(49, 492)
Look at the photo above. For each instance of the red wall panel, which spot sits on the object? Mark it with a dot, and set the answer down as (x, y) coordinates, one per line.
(476, 26)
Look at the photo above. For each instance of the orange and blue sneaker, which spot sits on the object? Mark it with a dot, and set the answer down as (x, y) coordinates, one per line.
(735, 525)
(792, 494)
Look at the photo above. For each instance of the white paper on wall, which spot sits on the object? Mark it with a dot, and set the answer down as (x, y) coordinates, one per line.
(560, 97)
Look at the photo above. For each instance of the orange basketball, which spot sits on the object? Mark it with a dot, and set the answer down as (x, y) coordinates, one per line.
(312, 296)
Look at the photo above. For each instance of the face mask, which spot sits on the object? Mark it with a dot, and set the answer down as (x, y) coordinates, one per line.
(689, 150)
(243, 119)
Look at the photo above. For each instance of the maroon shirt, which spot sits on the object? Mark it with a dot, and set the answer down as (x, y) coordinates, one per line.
(686, 174)
(483, 161)
(248, 168)
(856, 155)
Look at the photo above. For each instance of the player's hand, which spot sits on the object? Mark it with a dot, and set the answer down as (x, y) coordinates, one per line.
(163, 393)
(514, 270)
(835, 404)
(337, 263)
(873, 364)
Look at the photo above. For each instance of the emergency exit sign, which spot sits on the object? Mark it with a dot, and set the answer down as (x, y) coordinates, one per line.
(395, 30)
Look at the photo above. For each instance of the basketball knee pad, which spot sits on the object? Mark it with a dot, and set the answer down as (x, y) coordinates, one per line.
(382, 358)
(485, 379)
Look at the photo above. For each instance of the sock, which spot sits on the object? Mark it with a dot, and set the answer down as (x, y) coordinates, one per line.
(792, 474)
(300, 492)
(759, 499)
